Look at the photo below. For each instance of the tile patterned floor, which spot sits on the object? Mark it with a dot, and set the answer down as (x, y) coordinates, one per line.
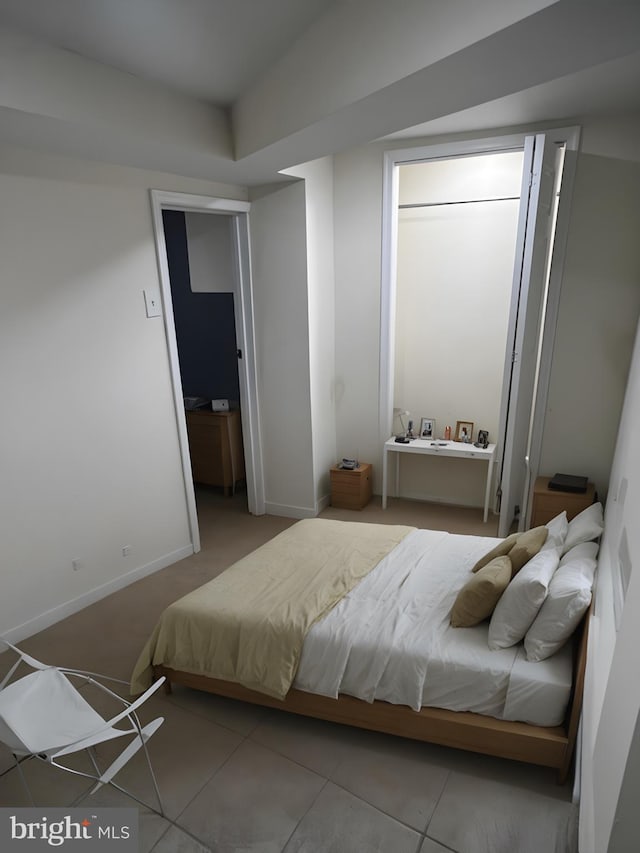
(237, 778)
(290, 784)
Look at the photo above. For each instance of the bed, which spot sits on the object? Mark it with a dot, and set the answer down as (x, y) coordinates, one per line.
(350, 622)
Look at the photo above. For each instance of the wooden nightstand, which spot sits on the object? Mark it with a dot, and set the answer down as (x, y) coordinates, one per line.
(547, 503)
(351, 489)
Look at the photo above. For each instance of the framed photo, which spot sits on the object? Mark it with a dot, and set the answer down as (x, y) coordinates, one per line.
(483, 437)
(464, 431)
(427, 428)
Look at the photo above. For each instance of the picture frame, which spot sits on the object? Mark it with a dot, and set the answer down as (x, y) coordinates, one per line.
(483, 437)
(427, 428)
(464, 431)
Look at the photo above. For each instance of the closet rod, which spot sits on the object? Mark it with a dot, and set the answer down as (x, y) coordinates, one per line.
(467, 201)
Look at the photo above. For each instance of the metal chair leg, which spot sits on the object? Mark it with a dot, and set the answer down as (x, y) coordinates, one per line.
(23, 780)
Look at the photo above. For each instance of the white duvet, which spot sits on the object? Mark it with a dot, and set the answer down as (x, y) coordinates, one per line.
(390, 639)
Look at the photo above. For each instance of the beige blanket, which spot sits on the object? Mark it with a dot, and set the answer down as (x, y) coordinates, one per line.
(248, 624)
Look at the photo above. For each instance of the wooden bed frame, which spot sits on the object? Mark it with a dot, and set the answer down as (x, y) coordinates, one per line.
(549, 747)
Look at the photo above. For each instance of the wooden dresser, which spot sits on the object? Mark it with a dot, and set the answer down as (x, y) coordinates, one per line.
(215, 445)
(547, 503)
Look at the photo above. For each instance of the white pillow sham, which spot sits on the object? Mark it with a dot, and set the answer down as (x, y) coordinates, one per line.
(569, 597)
(522, 599)
(584, 549)
(558, 528)
(587, 525)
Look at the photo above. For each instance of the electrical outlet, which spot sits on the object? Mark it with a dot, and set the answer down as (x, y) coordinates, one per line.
(126, 550)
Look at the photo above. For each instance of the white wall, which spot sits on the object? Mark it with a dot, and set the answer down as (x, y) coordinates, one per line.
(602, 321)
(358, 223)
(61, 100)
(611, 740)
(209, 243)
(281, 312)
(599, 304)
(318, 184)
(90, 459)
(454, 280)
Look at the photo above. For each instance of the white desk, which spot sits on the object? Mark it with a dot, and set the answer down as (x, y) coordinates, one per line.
(458, 449)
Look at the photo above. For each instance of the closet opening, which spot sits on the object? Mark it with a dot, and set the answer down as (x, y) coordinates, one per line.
(457, 228)
(468, 308)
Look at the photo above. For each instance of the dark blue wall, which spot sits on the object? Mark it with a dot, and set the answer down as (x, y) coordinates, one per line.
(205, 324)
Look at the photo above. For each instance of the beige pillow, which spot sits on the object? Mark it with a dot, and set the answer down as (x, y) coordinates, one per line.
(478, 597)
(527, 546)
(500, 550)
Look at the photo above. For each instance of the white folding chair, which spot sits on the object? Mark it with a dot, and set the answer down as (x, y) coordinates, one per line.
(43, 715)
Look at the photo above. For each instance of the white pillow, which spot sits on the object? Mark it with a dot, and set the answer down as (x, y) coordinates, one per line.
(521, 600)
(566, 603)
(587, 525)
(558, 528)
(584, 549)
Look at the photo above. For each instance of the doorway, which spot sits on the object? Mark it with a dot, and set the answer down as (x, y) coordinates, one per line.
(532, 311)
(236, 216)
(457, 224)
(199, 255)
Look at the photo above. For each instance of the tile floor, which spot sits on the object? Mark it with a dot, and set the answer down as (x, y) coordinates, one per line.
(237, 778)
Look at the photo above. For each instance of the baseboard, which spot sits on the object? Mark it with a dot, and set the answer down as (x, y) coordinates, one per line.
(289, 511)
(56, 614)
(323, 503)
(438, 499)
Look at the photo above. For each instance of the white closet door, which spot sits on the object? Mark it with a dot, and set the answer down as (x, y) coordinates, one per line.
(533, 246)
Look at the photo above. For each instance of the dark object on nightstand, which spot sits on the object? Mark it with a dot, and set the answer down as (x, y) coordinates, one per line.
(568, 483)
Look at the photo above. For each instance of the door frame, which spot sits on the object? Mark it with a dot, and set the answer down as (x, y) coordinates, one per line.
(534, 249)
(395, 158)
(245, 338)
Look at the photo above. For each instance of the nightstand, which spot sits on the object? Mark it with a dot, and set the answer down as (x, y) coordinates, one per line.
(547, 503)
(351, 489)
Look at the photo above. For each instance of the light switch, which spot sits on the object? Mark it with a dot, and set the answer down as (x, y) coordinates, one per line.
(152, 302)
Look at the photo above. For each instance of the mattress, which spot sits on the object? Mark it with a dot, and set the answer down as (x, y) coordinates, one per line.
(390, 639)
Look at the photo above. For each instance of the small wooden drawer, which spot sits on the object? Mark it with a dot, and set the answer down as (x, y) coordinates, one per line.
(215, 447)
(547, 503)
(351, 489)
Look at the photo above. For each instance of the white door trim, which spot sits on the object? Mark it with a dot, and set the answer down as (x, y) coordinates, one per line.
(243, 303)
(397, 157)
(572, 142)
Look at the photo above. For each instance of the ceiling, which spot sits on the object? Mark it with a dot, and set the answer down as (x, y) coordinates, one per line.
(236, 90)
(607, 89)
(208, 49)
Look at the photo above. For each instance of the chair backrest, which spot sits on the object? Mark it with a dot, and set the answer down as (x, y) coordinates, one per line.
(26, 712)
(44, 715)
(26, 722)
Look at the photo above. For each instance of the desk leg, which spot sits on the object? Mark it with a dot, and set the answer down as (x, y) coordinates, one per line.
(487, 491)
(385, 457)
